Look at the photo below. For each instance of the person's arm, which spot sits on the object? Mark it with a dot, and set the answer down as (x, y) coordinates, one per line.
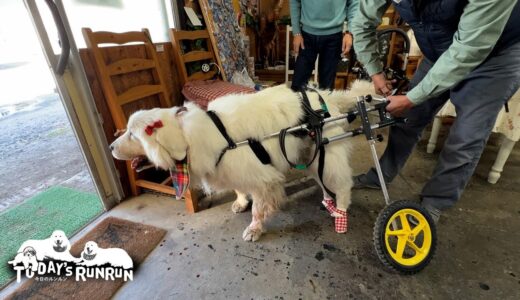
(364, 26)
(352, 11)
(478, 31)
(296, 7)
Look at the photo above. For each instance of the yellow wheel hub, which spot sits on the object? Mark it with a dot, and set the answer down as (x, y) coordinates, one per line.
(401, 237)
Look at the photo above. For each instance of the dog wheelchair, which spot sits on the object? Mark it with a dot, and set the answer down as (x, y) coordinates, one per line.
(404, 233)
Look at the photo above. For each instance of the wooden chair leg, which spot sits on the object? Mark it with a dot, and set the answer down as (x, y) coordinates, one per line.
(502, 156)
(434, 135)
(132, 178)
(191, 200)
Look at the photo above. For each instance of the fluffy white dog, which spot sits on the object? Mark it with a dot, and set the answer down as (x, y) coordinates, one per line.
(57, 247)
(27, 257)
(92, 255)
(190, 131)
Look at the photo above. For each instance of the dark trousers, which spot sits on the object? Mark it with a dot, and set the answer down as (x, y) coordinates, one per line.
(328, 47)
(478, 99)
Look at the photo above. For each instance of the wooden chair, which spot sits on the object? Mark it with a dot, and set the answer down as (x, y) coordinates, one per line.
(178, 37)
(135, 94)
(197, 87)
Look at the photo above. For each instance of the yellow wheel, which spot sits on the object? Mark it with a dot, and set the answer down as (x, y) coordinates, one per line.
(405, 237)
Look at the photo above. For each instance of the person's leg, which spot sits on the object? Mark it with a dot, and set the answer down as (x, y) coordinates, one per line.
(305, 62)
(404, 136)
(329, 56)
(477, 99)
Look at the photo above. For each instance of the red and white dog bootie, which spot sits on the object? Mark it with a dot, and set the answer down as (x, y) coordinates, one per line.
(340, 216)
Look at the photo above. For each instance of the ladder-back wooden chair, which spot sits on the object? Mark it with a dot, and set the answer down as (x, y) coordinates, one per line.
(178, 37)
(129, 84)
(195, 47)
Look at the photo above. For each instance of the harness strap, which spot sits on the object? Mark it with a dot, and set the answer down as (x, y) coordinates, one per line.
(321, 166)
(222, 129)
(323, 105)
(259, 151)
(255, 145)
(314, 120)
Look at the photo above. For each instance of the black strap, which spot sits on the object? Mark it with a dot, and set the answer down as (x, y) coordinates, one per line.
(222, 129)
(506, 106)
(314, 121)
(323, 105)
(255, 145)
(321, 166)
(259, 151)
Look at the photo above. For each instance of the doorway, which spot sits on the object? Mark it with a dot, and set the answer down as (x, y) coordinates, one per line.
(45, 184)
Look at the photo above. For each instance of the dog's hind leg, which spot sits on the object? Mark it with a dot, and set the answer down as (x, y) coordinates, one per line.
(336, 177)
(241, 203)
(266, 201)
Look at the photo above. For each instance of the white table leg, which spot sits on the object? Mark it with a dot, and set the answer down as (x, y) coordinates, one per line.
(497, 168)
(434, 135)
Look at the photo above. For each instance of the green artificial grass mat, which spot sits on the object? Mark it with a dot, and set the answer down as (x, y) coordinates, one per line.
(58, 208)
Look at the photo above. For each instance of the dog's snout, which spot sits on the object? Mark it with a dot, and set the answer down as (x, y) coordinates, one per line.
(111, 147)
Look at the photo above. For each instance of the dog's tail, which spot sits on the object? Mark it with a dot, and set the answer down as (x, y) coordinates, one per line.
(346, 100)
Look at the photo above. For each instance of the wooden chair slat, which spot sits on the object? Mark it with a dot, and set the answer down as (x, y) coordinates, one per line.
(129, 65)
(107, 37)
(201, 75)
(138, 92)
(196, 56)
(155, 186)
(192, 35)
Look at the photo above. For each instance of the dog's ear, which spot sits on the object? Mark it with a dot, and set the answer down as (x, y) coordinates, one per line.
(171, 138)
(165, 144)
(156, 153)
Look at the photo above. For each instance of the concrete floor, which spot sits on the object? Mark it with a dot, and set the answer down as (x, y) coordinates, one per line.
(300, 256)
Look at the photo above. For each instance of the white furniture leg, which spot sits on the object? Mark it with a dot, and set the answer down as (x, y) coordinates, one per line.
(497, 168)
(434, 135)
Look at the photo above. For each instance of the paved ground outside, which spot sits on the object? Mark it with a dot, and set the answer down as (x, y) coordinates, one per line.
(37, 150)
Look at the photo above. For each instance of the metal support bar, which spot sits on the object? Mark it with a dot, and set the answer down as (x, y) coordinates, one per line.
(372, 144)
(377, 107)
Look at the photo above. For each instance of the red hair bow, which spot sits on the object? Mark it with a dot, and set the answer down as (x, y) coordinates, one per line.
(149, 129)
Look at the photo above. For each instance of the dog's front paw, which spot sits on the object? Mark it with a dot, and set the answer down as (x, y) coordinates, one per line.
(252, 234)
(238, 206)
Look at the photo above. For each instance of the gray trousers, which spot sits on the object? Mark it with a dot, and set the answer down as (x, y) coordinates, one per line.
(478, 99)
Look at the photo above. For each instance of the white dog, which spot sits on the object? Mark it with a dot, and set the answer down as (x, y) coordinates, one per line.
(27, 257)
(92, 255)
(57, 247)
(190, 131)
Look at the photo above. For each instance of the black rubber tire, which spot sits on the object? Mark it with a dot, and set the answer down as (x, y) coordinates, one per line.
(379, 237)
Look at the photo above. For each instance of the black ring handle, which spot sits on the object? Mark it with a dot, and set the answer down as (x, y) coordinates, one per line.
(64, 39)
(400, 32)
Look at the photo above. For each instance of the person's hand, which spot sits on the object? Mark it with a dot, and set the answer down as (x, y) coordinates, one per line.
(298, 43)
(381, 85)
(347, 44)
(398, 105)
